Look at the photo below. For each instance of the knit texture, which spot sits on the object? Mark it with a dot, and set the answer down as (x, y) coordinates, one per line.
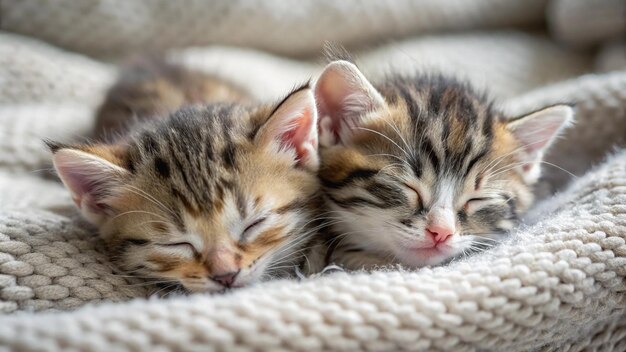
(47, 262)
(553, 283)
(557, 284)
(106, 27)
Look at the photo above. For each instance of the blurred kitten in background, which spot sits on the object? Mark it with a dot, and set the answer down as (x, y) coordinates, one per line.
(153, 89)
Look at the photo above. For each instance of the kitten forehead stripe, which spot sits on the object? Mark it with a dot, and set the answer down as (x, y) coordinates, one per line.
(161, 167)
(431, 154)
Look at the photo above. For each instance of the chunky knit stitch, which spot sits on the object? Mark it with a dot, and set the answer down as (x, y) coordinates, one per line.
(558, 283)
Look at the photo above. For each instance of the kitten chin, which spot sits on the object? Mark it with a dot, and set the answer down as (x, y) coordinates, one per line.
(419, 170)
(212, 196)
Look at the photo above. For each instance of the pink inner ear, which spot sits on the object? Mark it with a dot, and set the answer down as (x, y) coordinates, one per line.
(87, 192)
(293, 128)
(333, 91)
(331, 94)
(343, 97)
(538, 130)
(536, 138)
(300, 137)
(78, 185)
(89, 178)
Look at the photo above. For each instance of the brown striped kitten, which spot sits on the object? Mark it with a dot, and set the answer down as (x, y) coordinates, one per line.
(212, 196)
(419, 170)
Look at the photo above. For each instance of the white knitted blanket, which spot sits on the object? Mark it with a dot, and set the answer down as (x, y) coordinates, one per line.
(558, 283)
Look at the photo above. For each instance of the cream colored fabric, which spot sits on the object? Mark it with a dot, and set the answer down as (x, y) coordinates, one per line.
(612, 57)
(557, 284)
(585, 23)
(106, 27)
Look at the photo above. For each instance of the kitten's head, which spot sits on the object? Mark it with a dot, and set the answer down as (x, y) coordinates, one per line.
(422, 170)
(214, 197)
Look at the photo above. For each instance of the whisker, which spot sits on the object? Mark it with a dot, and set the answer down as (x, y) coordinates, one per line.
(137, 211)
(485, 169)
(389, 139)
(149, 197)
(391, 156)
(167, 287)
(395, 128)
(152, 221)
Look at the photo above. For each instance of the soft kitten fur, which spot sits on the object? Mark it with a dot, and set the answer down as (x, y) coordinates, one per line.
(212, 196)
(418, 153)
(152, 89)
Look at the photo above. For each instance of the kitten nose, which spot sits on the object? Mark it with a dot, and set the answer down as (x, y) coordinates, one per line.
(227, 279)
(439, 233)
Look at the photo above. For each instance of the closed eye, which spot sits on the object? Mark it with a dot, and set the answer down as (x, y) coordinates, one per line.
(252, 226)
(473, 204)
(480, 199)
(420, 205)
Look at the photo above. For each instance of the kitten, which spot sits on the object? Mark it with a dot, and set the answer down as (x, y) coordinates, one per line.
(418, 170)
(213, 196)
(153, 89)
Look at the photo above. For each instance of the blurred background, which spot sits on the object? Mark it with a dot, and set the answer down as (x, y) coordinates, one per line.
(58, 58)
(527, 43)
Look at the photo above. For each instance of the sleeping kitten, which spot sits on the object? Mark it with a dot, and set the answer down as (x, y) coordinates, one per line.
(212, 196)
(418, 170)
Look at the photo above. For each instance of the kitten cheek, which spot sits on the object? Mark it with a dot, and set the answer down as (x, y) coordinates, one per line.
(178, 251)
(249, 276)
(457, 247)
(201, 287)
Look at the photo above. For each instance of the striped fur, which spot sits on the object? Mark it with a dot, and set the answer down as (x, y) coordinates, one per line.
(206, 192)
(152, 89)
(396, 155)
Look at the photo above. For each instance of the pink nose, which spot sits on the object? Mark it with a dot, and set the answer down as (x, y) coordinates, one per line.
(227, 279)
(439, 233)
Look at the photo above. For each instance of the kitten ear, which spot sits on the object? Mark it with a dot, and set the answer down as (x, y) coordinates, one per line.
(90, 178)
(344, 97)
(536, 132)
(292, 127)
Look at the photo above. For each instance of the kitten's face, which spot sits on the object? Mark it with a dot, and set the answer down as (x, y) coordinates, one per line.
(424, 173)
(388, 200)
(208, 199)
(244, 224)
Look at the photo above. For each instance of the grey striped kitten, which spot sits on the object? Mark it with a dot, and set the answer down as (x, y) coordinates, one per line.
(418, 170)
(211, 196)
